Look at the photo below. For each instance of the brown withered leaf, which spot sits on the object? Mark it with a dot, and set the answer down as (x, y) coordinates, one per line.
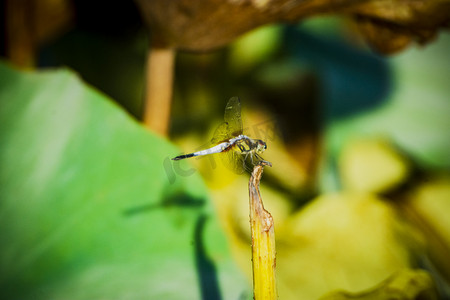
(390, 26)
(201, 25)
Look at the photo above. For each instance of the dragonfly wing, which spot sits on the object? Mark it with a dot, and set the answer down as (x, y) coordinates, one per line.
(232, 127)
(221, 134)
(233, 116)
(234, 160)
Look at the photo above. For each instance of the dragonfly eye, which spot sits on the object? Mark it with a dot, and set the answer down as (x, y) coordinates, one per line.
(261, 146)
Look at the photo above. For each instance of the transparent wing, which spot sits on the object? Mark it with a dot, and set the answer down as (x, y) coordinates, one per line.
(234, 160)
(221, 134)
(233, 116)
(232, 126)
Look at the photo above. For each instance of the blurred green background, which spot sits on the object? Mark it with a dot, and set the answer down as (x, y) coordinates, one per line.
(92, 207)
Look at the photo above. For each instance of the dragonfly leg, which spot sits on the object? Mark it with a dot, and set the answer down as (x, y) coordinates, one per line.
(260, 159)
(245, 160)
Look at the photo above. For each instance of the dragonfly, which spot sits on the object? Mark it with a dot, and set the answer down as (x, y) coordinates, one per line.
(239, 152)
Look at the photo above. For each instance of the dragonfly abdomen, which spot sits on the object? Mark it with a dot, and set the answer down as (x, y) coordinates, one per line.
(216, 149)
(183, 156)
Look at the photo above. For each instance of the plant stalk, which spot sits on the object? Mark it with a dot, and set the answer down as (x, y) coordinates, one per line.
(263, 242)
(158, 94)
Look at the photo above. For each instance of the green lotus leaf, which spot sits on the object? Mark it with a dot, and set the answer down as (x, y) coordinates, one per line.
(91, 206)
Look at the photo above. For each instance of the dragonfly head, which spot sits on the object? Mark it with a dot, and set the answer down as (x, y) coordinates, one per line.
(261, 146)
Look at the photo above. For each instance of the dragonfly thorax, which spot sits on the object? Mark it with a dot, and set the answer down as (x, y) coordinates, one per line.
(246, 144)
